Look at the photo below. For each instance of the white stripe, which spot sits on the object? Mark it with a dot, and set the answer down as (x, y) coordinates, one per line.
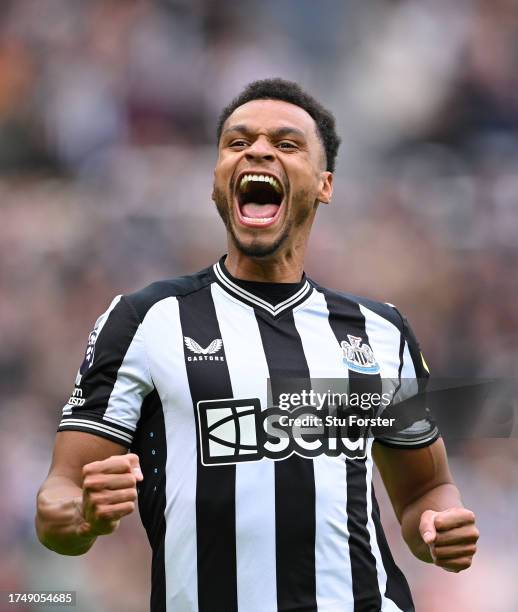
(387, 605)
(384, 340)
(163, 331)
(408, 370)
(255, 481)
(414, 441)
(332, 560)
(273, 310)
(131, 386)
(115, 421)
(97, 427)
(409, 385)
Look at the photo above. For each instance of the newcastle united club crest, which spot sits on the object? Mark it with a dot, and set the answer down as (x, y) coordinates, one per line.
(359, 357)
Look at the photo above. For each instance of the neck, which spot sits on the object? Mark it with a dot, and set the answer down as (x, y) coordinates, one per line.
(286, 267)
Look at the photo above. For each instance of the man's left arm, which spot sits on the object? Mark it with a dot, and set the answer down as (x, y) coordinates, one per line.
(434, 523)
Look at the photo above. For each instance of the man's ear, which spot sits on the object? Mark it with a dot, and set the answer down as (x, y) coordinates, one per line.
(326, 187)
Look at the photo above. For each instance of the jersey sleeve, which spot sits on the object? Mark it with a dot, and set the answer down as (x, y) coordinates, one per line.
(415, 427)
(113, 379)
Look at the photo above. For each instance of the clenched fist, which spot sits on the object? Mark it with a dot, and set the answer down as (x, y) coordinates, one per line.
(451, 536)
(109, 493)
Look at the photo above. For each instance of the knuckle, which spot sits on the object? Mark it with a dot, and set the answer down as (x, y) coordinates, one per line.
(467, 515)
(95, 498)
(440, 523)
(99, 513)
(125, 508)
(126, 460)
(106, 513)
(91, 483)
(90, 468)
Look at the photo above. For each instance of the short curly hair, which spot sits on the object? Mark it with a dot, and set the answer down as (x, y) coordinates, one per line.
(288, 91)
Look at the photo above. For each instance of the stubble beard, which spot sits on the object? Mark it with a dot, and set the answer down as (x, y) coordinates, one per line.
(256, 249)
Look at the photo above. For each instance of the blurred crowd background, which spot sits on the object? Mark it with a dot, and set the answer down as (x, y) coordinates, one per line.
(107, 146)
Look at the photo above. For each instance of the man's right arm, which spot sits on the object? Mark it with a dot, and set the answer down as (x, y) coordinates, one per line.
(91, 485)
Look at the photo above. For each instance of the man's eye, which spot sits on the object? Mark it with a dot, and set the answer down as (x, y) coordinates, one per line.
(238, 143)
(287, 145)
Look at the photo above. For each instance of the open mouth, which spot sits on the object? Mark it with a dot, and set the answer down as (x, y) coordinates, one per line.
(259, 199)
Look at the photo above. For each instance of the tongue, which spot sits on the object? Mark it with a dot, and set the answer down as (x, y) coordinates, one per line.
(259, 211)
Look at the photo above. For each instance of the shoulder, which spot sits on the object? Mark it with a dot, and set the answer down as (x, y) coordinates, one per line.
(143, 300)
(385, 310)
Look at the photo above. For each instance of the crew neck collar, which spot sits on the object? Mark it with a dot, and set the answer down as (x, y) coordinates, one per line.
(273, 298)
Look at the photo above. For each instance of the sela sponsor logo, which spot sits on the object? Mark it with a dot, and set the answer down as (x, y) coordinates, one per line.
(237, 430)
(204, 354)
(76, 399)
(359, 357)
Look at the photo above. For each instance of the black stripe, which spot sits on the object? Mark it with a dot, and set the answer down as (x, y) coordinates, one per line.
(294, 477)
(110, 349)
(151, 446)
(99, 379)
(215, 487)
(345, 317)
(397, 588)
(401, 361)
(414, 349)
(366, 592)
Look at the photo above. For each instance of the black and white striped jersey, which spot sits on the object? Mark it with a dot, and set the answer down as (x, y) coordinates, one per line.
(178, 373)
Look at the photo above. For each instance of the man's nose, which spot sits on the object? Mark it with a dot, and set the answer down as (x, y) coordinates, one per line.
(260, 150)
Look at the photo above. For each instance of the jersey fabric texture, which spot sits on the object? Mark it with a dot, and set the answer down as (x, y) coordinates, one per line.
(294, 535)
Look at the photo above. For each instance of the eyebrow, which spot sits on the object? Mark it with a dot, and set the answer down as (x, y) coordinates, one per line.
(276, 133)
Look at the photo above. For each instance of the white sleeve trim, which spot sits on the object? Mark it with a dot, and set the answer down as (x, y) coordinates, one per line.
(96, 426)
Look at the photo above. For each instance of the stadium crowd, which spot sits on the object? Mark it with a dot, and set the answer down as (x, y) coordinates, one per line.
(107, 145)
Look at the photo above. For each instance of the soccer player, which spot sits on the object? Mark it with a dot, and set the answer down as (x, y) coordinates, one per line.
(177, 373)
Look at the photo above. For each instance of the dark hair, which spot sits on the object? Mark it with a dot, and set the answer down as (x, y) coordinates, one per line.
(287, 91)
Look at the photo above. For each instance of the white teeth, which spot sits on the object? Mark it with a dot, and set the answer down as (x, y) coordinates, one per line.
(259, 221)
(260, 178)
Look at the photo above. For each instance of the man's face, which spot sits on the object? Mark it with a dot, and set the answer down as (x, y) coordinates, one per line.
(269, 176)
